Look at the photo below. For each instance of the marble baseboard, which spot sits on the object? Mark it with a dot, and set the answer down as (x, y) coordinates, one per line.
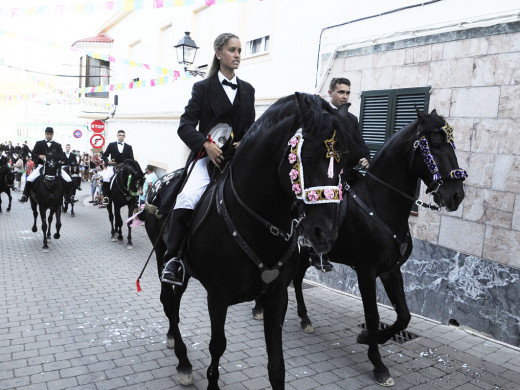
(445, 285)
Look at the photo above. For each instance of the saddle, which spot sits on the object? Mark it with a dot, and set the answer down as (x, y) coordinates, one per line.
(157, 199)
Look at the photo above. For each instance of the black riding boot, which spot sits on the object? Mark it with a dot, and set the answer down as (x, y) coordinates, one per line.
(174, 268)
(320, 262)
(26, 192)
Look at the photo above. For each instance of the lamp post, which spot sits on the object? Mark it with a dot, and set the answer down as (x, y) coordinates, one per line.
(186, 50)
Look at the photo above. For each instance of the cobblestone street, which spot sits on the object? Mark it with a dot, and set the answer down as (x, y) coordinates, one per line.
(72, 319)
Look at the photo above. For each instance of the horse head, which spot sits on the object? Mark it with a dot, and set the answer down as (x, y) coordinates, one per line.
(435, 161)
(318, 153)
(51, 170)
(131, 177)
(8, 176)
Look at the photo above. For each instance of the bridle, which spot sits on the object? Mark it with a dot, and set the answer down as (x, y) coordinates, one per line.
(312, 195)
(118, 178)
(422, 144)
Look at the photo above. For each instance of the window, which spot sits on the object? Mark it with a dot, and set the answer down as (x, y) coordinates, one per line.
(257, 46)
(97, 73)
(385, 112)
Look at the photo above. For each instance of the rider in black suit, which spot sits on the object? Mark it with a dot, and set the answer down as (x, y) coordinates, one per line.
(118, 151)
(117, 157)
(220, 98)
(40, 151)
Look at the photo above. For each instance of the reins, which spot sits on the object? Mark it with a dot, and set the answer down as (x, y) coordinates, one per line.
(267, 275)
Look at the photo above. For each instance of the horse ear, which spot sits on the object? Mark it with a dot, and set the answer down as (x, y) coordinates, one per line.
(306, 113)
(421, 115)
(434, 112)
(343, 110)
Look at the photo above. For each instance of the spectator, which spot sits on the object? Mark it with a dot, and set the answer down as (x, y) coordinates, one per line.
(29, 165)
(94, 186)
(149, 180)
(18, 170)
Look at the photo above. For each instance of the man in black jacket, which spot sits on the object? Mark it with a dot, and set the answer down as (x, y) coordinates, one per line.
(118, 151)
(40, 151)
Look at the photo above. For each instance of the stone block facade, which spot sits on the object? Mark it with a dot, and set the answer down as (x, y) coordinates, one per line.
(475, 83)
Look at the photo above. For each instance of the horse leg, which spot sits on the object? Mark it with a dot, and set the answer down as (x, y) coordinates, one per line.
(171, 308)
(217, 312)
(367, 287)
(10, 200)
(393, 284)
(72, 214)
(49, 223)
(119, 223)
(129, 244)
(111, 218)
(35, 215)
(274, 314)
(58, 223)
(43, 217)
(303, 265)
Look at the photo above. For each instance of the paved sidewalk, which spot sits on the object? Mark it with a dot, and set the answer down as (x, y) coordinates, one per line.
(72, 319)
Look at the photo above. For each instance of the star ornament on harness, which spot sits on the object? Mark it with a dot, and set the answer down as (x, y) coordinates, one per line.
(449, 133)
(330, 144)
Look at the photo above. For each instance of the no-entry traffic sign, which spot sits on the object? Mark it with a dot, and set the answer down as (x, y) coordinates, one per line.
(97, 126)
(97, 141)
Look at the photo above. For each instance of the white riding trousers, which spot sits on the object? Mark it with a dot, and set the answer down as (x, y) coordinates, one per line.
(36, 172)
(195, 186)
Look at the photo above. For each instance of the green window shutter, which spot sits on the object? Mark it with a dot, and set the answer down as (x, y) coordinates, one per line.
(385, 112)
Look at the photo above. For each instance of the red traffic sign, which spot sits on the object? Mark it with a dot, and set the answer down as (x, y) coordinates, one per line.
(97, 141)
(97, 126)
(77, 133)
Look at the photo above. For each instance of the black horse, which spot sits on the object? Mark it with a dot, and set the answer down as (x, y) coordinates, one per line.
(374, 238)
(242, 238)
(6, 183)
(47, 193)
(123, 191)
(75, 176)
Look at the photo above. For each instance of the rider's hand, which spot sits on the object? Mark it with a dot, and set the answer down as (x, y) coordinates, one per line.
(235, 144)
(42, 156)
(364, 163)
(214, 152)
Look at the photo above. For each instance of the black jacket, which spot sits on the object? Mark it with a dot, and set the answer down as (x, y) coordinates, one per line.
(208, 104)
(114, 154)
(41, 147)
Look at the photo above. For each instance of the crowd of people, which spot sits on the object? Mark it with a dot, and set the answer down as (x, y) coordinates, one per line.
(91, 164)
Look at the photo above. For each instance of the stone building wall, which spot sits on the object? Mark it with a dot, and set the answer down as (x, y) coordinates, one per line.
(474, 76)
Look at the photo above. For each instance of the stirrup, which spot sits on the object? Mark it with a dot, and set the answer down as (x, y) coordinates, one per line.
(169, 277)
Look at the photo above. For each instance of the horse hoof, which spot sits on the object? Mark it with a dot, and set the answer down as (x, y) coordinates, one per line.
(34, 229)
(9, 209)
(307, 327)
(129, 247)
(170, 342)
(56, 236)
(258, 314)
(185, 379)
(113, 239)
(383, 378)
(120, 238)
(46, 250)
(72, 214)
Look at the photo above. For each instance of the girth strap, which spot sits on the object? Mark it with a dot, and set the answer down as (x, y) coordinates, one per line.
(267, 274)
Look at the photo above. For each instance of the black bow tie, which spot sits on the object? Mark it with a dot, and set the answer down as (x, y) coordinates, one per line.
(120, 143)
(49, 142)
(229, 84)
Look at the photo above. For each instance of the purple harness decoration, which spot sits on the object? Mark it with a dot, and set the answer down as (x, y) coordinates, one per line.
(430, 160)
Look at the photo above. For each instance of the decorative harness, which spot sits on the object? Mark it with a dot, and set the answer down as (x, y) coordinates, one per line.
(313, 195)
(126, 189)
(424, 146)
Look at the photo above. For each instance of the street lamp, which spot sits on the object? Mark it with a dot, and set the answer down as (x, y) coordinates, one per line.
(186, 50)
